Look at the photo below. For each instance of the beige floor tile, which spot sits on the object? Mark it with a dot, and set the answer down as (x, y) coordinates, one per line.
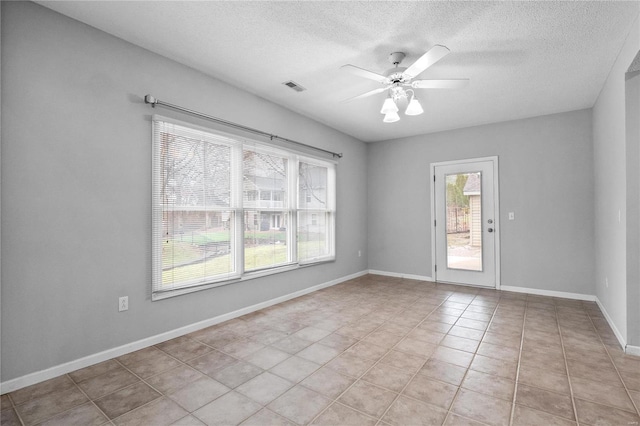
(442, 318)
(407, 411)
(367, 350)
(300, 404)
(242, 348)
(382, 338)
(328, 382)
(460, 343)
(443, 371)
(368, 398)
(318, 353)
(596, 414)
(388, 377)
(184, 348)
(397, 329)
(82, 415)
(236, 374)
(338, 414)
(295, 369)
(127, 399)
(543, 379)
(41, 389)
(94, 370)
(601, 393)
(525, 416)
(403, 361)
(173, 379)
(416, 347)
(439, 327)
(467, 333)
(499, 352)
(269, 337)
(601, 372)
(267, 357)
(540, 399)
(488, 384)
(5, 402)
(8, 417)
(109, 382)
(50, 404)
(426, 335)
(264, 388)
(457, 420)
(338, 342)
(357, 331)
(483, 408)
(230, 409)
(350, 365)
(198, 393)
(311, 334)
(452, 356)
(160, 412)
(433, 392)
(267, 417)
(497, 367)
(189, 420)
(291, 344)
(212, 362)
(474, 324)
(631, 379)
(635, 395)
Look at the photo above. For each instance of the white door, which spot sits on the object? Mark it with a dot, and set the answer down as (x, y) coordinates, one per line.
(465, 207)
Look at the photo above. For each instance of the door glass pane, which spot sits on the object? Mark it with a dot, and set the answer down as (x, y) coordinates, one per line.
(464, 221)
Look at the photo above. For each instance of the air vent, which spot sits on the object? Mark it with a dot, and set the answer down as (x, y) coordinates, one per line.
(295, 86)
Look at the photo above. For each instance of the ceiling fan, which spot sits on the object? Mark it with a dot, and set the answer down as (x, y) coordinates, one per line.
(400, 80)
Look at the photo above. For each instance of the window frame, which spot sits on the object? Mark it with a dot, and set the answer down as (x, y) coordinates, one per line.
(242, 143)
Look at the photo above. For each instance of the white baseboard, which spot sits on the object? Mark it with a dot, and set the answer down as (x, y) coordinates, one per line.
(621, 339)
(49, 373)
(632, 350)
(550, 293)
(398, 275)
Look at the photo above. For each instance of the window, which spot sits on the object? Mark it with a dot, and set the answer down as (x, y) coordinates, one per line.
(227, 209)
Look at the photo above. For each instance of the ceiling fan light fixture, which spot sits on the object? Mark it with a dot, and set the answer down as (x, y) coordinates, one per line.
(414, 107)
(389, 107)
(391, 117)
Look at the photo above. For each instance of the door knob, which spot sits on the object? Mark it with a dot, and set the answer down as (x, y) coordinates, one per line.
(490, 229)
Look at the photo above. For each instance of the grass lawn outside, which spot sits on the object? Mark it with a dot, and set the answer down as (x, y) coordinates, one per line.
(255, 258)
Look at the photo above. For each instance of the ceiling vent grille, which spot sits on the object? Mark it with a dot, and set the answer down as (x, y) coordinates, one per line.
(295, 86)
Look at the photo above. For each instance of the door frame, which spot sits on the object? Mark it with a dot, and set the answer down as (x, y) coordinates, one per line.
(496, 206)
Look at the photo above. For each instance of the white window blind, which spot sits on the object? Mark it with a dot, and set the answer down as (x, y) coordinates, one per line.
(225, 208)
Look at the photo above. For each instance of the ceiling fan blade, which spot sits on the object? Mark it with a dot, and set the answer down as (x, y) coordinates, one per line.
(364, 95)
(440, 84)
(434, 54)
(364, 73)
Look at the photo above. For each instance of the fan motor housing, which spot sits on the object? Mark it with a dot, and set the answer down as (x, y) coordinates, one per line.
(396, 57)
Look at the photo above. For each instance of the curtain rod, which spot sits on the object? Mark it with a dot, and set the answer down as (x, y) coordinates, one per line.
(148, 99)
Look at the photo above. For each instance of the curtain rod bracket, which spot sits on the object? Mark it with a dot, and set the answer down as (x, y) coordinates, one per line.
(148, 99)
(153, 101)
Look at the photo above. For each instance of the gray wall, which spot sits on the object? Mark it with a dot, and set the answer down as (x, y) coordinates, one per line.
(76, 176)
(609, 140)
(545, 178)
(632, 101)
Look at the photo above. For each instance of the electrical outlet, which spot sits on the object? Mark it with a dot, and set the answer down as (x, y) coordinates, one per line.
(123, 303)
(512, 215)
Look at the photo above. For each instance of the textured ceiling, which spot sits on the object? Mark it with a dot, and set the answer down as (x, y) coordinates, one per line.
(523, 58)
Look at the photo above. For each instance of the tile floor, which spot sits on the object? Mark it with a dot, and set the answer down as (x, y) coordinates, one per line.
(374, 350)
